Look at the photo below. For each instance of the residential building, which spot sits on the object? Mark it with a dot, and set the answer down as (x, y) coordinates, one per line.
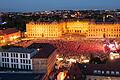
(17, 58)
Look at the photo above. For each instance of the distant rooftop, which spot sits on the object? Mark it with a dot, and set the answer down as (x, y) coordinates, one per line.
(18, 50)
(8, 31)
(44, 49)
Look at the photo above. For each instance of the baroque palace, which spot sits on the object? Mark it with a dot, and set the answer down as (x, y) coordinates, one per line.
(83, 28)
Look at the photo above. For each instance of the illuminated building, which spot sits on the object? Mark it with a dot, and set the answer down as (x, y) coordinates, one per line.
(114, 55)
(83, 28)
(103, 30)
(36, 30)
(76, 27)
(9, 34)
(17, 58)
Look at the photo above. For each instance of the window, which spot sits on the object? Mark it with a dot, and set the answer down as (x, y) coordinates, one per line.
(14, 54)
(3, 65)
(12, 66)
(112, 72)
(26, 66)
(7, 55)
(16, 60)
(20, 55)
(8, 65)
(95, 71)
(11, 55)
(11, 60)
(17, 66)
(26, 56)
(29, 62)
(107, 72)
(29, 67)
(20, 60)
(2, 59)
(23, 55)
(17, 55)
(26, 61)
(2, 54)
(21, 66)
(102, 72)
(23, 61)
(99, 72)
(117, 73)
(7, 59)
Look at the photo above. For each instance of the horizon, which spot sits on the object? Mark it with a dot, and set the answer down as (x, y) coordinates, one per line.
(37, 5)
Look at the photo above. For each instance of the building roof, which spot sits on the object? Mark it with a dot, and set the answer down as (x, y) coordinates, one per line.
(18, 50)
(8, 31)
(44, 49)
(101, 69)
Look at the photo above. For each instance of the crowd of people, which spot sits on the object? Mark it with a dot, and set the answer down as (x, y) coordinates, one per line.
(79, 47)
(82, 46)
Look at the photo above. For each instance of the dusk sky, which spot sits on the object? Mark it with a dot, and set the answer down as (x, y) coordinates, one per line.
(41, 5)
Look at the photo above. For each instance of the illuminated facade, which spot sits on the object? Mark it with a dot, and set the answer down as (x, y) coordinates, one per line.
(44, 30)
(88, 29)
(103, 30)
(9, 34)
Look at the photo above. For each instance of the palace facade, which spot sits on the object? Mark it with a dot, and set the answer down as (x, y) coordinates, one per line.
(84, 28)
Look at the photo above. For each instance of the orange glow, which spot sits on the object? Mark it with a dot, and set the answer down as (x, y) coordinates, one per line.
(57, 29)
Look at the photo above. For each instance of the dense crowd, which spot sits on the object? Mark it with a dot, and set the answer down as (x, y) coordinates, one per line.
(82, 46)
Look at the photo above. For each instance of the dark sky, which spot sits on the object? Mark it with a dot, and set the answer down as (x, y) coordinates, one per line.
(36, 5)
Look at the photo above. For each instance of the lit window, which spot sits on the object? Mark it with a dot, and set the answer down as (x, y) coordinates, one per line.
(107, 72)
(95, 71)
(117, 73)
(112, 72)
(99, 71)
(102, 72)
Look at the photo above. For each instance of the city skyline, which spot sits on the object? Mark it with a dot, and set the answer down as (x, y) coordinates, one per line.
(38, 5)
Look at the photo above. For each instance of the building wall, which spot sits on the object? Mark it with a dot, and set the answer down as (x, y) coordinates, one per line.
(104, 30)
(78, 27)
(44, 29)
(15, 60)
(9, 37)
(43, 65)
(12, 36)
(101, 78)
(39, 65)
(51, 61)
(90, 30)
